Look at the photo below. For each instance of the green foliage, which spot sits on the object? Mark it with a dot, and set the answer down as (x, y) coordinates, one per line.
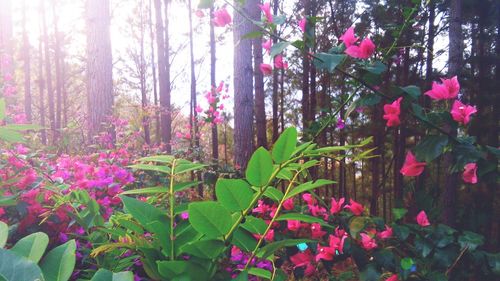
(59, 263)
(260, 168)
(234, 194)
(210, 218)
(106, 275)
(32, 246)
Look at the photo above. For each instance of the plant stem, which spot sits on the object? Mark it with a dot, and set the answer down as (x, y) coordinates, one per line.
(172, 203)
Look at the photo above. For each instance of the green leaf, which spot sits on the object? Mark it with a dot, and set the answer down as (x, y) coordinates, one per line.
(399, 213)
(376, 68)
(271, 248)
(327, 61)
(147, 190)
(243, 240)
(170, 269)
(152, 168)
(356, 225)
(205, 4)
(285, 145)
(146, 214)
(423, 246)
(106, 275)
(260, 168)
(401, 231)
(17, 268)
(302, 217)
(204, 248)
(279, 20)
(58, 264)
(243, 276)
(278, 48)
(210, 218)
(4, 233)
(234, 194)
(185, 185)
(32, 246)
(471, 240)
(252, 35)
(419, 111)
(22, 127)
(412, 91)
(259, 272)
(187, 167)
(2, 109)
(431, 147)
(308, 186)
(167, 159)
(406, 263)
(10, 136)
(254, 225)
(273, 194)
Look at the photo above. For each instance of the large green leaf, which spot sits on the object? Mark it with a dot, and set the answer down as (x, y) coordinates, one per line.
(285, 145)
(430, 147)
(10, 136)
(269, 249)
(182, 270)
(144, 213)
(4, 233)
(204, 248)
(32, 246)
(22, 127)
(59, 263)
(2, 109)
(182, 168)
(260, 168)
(106, 275)
(167, 159)
(259, 272)
(147, 190)
(278, 48)
(244, 240)
(205, 4)
(327, 61)
(152, 168)
(308, 186)
(254, 225)
(234, 194)
(471, 240)
(17, 268)
(210, 218)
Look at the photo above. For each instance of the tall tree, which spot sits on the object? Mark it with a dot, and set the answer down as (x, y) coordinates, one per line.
(41, 81)
(275, 97)
(26, 68)
(48, 75)
(153, 71)
(142, 73)
(243, 86)
(166, 116)
(6, 48)
(260, 97)
(213, 62)
(194, 103)
(57, 63)
(99, 64)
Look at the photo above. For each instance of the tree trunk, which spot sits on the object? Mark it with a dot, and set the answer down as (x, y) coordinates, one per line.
(166, 116)
(194, 114)
(243, 86)
(57, 63)
(99, 65)
(275, 97)
(306, 62)
(27, 69)
(449, 196)
(142, 74)
(41, 81)
(48, 74)
(153, 72)
(213, 61)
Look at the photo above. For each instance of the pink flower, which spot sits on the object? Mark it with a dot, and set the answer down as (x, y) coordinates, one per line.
(316, 232)
(470, 173)
(293, 225)
(288, 204)
(266, 69)
(422, 219)
(308, 198)
(391, 113)
(447, 90)
(336, 206)
(178, 135)
(367, 242)
(393, 277)
(278, 62)
(340, 124)
(266, 9)
(302, 259)
(363, 51)
(411, 167)
(348, 37)
(385, 234)
(355, 208)
(335, 244)
(199, 109)
(462, 112)
(222, 17)
(266, 45)
(199, 13)
(302, 24)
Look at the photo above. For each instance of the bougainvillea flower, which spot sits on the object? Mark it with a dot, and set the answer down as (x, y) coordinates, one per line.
(266, 9)
(222, 17)
(385, 234)
(199, 13)
(355, 208)
(367, 242)
(422, 219)
(462, 112)
(293, 225)
(302, 24)
(279, 63)
(302, 259)
(266, 69)
(348, 37)
(336, 206)
(316, 210)
(391, 113)
(393, 277)
(310, 200)
(411, 167)
(316, 232)
(340, 124)
(288, 204)
(365, 49)
(266, 45)
(470, 173)
(448, 89)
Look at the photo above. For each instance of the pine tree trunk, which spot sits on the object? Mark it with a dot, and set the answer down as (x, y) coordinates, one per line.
(41, 82)
(153, 72)
(243, 87)
(166, 113)
(142, 72)
(48, 76)
(27, 69)
(306, 62)
(213, 61)
(99, 66)
(275, 98)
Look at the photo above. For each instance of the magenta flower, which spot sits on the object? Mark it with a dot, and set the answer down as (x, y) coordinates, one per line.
(422, 219)
(385, 234)
(355, 208)
(470, 173)
(266, 69)
(266, 45)
(448, 89)
(222, 17)
(302, 24)
(462, 112)
(348, 37)
(367, 242)
(279, 63)
(304, 259)
(266, 9)
(391, 113)
(363, 51)
(411, 167)
(336, 206)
